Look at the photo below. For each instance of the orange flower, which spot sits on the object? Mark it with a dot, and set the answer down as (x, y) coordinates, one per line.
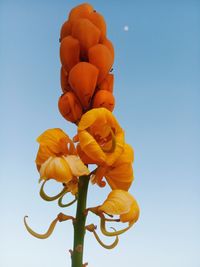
(100, 136)
(57, 157)
(121, 203)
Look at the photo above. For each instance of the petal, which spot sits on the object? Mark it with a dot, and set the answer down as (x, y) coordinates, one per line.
(56, 168)
(120, 177)
(133, 215)
(119, 141)
(76, 165)
(90, 146)
(126, 156)
(51, 136)
(118, 202)
(84, 157)
(53, 142)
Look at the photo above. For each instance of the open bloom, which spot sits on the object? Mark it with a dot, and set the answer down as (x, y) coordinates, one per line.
(57, 158)
(100, 136)
(121, 203)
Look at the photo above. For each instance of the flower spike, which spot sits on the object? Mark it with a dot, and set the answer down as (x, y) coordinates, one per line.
(50, 198)
(60, 203)
(116, 233)
(92, 228)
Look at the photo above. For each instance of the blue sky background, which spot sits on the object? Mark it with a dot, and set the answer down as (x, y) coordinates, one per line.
(157, 90)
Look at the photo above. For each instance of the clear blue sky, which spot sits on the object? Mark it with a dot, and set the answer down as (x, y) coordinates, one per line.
(157, 90)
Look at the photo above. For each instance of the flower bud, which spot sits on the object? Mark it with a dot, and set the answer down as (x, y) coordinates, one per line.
(69, 107)
(100, 56)
(80, 11)
(65, 29)
(87, 34)
(107, 83)
(83, 79)
(69, 52)
(104, 99)
(64, 80)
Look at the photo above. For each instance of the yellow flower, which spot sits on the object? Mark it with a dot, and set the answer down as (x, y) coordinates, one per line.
(57, 158)
(63, 169)
(120, 174)
(100, 136)
(121, 203)
(53, 142)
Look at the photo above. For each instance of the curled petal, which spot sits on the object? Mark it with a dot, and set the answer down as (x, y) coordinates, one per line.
(41, 236)
(50, 198)
(60, 203)
(116, 233)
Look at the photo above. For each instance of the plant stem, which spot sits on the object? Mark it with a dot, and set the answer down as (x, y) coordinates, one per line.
(79, 224)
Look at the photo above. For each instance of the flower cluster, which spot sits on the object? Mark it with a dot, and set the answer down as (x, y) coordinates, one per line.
(87, 57)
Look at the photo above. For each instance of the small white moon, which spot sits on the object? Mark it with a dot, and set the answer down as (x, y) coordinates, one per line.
(126, 28)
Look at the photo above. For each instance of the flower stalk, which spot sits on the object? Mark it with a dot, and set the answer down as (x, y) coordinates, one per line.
(79, 222)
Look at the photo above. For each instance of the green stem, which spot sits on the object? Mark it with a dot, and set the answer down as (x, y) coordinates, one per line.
(79, 224)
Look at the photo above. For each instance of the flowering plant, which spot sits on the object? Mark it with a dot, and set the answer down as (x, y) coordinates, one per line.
(87, 101)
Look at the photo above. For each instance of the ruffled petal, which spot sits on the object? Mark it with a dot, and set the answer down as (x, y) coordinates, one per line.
(121, 203)
(120, 177)
(56, 168)
(100, 135)
(76, 165)
(53, 142)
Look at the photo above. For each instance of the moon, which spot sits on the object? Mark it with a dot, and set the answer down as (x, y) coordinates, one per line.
(126, 28)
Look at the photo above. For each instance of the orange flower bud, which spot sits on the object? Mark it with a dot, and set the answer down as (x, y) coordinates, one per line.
(87, 34)
(64, 80)
(110, 46)
(65, 29)
(100, 56)
(104, 99)
(80, 11)
(107, 83)
(69, 52)
(82, 79)
(98, 20)
(69, 107)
